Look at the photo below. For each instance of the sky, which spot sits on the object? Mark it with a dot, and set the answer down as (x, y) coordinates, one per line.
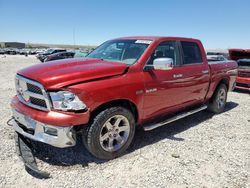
(217, 23)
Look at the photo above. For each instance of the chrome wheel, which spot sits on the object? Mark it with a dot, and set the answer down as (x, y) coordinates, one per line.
(221, 98)
(114, 133)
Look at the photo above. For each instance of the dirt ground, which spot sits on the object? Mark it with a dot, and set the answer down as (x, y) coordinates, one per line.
(202, 150)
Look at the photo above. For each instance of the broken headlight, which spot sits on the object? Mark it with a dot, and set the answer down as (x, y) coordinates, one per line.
(66, 101)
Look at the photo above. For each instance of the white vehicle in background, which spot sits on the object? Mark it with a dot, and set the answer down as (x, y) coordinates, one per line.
(40, 50)
(216, 58)
(2, 51)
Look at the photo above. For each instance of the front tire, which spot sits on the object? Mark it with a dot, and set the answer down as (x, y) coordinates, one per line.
(110, 133)
(218, 103)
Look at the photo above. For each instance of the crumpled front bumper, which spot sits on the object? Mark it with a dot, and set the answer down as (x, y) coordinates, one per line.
(35, 130)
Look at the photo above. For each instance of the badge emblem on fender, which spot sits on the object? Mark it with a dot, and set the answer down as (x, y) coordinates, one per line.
(151, 90)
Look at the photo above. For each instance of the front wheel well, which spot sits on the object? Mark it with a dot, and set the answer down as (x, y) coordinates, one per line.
(120, 102)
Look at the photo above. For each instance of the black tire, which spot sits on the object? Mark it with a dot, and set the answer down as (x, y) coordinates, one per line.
(92, 136)
(217, 105)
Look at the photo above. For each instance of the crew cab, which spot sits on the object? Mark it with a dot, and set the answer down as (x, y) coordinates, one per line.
(125, 83)
(242, 56)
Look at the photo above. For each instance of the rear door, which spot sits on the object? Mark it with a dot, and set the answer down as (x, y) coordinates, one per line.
(186, 84)
(195, 71)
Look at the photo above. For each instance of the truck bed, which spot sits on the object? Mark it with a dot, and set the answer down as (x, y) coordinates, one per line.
(219, 70)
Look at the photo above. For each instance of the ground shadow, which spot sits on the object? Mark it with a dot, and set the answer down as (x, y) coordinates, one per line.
(78, 155)
(170, 131)
(241, 91)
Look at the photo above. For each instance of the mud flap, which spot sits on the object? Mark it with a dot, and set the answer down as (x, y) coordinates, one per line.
(25, 151)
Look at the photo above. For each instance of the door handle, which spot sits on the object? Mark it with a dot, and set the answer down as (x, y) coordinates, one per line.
(177, 75)
(205, 72)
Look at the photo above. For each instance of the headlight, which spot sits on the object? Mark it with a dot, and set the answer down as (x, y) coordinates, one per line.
(65, 100)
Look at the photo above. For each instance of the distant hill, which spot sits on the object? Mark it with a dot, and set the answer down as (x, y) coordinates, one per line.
(39, 45)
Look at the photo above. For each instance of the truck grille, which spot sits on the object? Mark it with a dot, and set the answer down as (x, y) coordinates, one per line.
(38, 102)
(244, 74)
(34, 89)
(32, 93)
(243, 85)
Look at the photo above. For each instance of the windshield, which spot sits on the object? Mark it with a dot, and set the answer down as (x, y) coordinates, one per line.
(125, 51)
(49, 51)
(244, 63)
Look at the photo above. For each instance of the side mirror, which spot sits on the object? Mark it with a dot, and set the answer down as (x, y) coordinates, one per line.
(161, 64)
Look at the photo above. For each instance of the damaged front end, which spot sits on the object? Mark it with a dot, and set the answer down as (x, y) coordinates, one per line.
(25, 152)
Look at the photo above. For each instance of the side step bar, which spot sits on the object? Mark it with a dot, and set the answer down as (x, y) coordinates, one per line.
(177, 117)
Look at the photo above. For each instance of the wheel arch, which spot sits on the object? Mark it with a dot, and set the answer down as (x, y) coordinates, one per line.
(222, 81)
(118, 102)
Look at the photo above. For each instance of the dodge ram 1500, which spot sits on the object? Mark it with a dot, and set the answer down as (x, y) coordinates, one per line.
(124, 83)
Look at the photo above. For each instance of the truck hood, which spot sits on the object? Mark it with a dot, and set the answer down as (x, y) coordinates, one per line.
(60, 73)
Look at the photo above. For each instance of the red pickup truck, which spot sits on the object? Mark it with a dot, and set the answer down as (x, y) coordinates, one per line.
(242, 56)
(124, 83)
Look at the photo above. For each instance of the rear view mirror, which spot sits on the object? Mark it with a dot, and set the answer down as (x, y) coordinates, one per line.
(161, 64)
(120, 45)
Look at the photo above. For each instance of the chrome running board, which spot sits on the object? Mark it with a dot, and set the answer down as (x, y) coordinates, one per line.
(172, 119)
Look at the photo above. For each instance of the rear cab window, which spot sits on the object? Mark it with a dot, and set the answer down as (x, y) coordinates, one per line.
(191, 53)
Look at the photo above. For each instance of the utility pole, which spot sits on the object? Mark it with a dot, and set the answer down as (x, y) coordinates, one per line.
(74, 38)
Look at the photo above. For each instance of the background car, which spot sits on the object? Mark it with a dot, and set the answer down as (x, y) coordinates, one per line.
(244, 63)
(32, 51)
(43, 56)
(216, 58)
(11, 51)
(65, 55)
(2, 51)
(59, 55)
(23, 51)
(243, 78)
(242, 56)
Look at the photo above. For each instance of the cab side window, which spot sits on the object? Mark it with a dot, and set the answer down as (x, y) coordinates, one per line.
(165, 50)
(191, 53)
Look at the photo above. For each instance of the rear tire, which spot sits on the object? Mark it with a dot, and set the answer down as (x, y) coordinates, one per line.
(217, 105)
(110, 133)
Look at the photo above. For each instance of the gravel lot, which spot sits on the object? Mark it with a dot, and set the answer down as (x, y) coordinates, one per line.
(203, 150)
